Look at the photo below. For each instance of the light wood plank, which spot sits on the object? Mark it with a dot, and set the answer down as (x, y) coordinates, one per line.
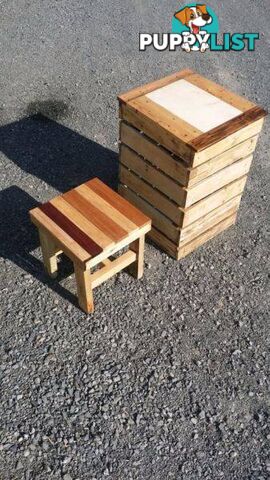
(112, 268)
(153, 176)
(118, 202)
(179, 99)
(159, 220)
(220, 92)
(81, 222)
(227, 143)
(165, 119)
(209, 203)
(84, 288)
(218, 180)
(49, 250)
(106, 208)
(155, 154)
(163, 242)
(67, 244)
(151, 195)
(223, 160)
(143, 90)
(121, 244)
(206, 222)
(137, 268)
(206, 236)
(160, 135)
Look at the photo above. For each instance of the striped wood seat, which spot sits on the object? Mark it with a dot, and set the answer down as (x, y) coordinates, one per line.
(89, 224)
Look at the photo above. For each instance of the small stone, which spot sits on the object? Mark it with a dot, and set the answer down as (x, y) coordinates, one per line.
(194, 421)
(67, 477)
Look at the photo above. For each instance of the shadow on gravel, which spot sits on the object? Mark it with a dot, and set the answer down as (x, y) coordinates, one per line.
(18, 237)
(61, 158)
(57, 155)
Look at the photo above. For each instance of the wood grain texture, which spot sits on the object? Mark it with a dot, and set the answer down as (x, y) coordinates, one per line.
(71, 229)
(69, 246)
(137, 268)
(220, 92)
(155, 154)
(122, 244)
(159, 220)
(218, 180)
(219, 133)
(119, 203)
(160, 135)
(210, 202)
(48, 253)
(151, 195)
(152, 175)
(99, 219)
(84, 289)
(193, 105)
(227, 143)
(112, 268)
(208, 221)
(221, 161)
(106, 208)
(143, 90)
(164, 242)
(165, 119)
(206, 236)
(82, 222)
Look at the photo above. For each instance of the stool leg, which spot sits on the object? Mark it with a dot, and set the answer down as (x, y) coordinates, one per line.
(48, 252)
(84, 289)
(136, 269)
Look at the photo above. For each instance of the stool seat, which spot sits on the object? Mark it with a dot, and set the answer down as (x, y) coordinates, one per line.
(89, 224)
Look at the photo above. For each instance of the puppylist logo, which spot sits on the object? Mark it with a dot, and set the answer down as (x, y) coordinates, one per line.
(195, 28)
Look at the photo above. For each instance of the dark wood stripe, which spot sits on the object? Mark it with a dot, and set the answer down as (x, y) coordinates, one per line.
(118, 202)
(222, 131)
(94, 215)
(71, 229)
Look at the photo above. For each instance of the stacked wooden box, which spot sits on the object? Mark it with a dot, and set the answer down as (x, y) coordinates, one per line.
(186, 147)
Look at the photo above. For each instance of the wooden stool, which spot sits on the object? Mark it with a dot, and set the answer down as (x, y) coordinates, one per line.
(90, 224)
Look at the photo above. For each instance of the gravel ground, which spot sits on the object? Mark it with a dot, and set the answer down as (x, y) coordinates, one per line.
(169, 379)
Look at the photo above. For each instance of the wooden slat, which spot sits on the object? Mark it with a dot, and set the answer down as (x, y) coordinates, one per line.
(158, 219)
(71, 229)
(106, 208)
(209, 203)
(223, 160)
(206, 236)
(143, 90)
(222, 131)
(220, 92)
(101, 221)
(155, 154)
(160, 135)
(68, 245)
(151, 195)
(124, 207)
(122, 244)
(112, 269)
(208, 221)
(218, 180)
(162, 241)
(227, 143)
(153, 176)
(165, 119)
(84, 224)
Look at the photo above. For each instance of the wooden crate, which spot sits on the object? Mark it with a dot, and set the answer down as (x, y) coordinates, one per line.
(186, 147)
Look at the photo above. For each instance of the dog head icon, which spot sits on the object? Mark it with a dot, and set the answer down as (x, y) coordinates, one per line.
(194, 18)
